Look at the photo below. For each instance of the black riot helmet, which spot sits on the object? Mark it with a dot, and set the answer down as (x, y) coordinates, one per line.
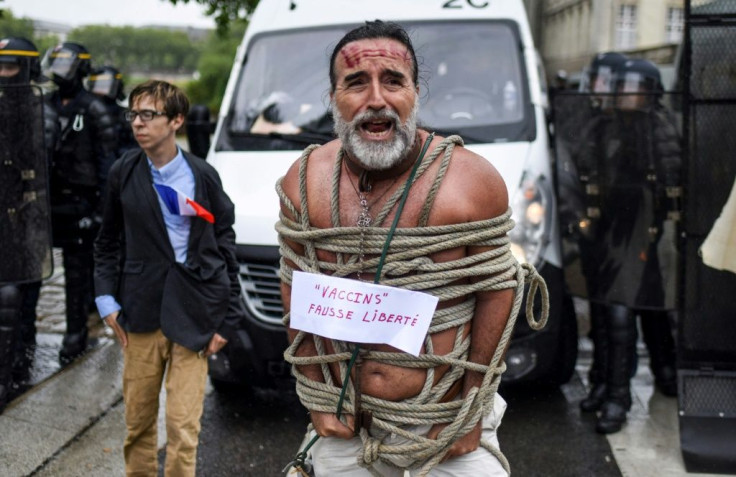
(601, 73)
(20, 52)
(67, 64)
(640, 74)
(634, 77)
(106, 81)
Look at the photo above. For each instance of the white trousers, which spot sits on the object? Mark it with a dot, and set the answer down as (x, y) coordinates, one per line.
(332, 456)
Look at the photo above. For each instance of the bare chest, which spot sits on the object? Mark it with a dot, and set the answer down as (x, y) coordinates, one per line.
(349, 207)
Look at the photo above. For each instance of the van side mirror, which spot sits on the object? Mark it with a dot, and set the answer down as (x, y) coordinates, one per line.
(198, 129)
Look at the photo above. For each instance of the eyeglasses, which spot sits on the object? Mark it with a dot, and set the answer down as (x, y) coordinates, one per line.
(145, 115)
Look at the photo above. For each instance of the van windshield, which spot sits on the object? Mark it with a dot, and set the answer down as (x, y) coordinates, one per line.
(472, 82)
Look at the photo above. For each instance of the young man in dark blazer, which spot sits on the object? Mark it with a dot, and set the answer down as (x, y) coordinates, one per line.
(166, 278)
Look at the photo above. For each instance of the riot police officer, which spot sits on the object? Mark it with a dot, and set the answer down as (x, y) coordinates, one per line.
(639, 90)
(630, 168)
(592, 116)
(24, 211)
(82, 157)
(107, 83)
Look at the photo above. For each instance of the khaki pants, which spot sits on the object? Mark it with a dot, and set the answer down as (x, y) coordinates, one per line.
(146, 358)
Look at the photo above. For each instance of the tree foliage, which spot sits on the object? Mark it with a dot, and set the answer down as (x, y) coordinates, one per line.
(214, 66)
(12, 26)
(143, 52)
(225, 12)
(138, 49)
(23, 27)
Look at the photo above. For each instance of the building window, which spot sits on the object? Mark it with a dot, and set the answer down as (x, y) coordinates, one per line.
(626, 27)
(675, 24)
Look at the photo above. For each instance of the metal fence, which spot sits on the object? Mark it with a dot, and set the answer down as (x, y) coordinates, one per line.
(708, 75)
(706, 351)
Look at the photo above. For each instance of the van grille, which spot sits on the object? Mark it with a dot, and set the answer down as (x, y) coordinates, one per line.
(261, 287)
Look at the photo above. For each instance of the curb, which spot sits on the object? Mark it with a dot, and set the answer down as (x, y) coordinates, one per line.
(41, 423)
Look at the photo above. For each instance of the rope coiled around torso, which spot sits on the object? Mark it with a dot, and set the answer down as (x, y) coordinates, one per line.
(407, 266)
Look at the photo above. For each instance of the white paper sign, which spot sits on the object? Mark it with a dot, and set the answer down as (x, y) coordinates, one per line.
(359, 312)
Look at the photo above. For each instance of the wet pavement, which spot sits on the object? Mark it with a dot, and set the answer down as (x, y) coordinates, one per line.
(69, 421)
(50, 325)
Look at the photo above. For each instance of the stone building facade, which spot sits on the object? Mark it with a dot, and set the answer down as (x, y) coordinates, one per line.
(569, 33)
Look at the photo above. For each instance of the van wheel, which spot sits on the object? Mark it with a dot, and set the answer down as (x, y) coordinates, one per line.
(567, 353)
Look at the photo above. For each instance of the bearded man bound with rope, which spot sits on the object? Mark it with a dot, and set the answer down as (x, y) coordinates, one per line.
(395, 205)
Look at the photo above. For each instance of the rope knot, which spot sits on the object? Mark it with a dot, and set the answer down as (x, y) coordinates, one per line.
(370, 452)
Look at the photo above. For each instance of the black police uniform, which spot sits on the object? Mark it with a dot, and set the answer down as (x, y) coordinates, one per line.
(634, 163)
(82, 158)
(581, 123)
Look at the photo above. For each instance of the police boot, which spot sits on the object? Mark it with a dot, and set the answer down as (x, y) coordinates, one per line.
(9, 310)
(74, 343)
(621, 328)
(597, 374)
(657, 334)
(31, 293)
(25, 343)
(6, 365)
(73, 346)
(22, 363)
(76, 275)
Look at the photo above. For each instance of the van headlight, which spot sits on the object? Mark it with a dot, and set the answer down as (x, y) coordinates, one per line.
(531, 210)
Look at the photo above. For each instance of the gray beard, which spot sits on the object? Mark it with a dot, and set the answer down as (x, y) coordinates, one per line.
(375, 155)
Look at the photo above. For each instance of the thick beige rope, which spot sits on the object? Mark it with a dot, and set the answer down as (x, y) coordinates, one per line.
(407, 266)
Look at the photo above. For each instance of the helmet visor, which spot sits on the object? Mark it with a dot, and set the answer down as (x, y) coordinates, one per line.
(631, 82)
(601, 80)
(9, 59)
(63, 63)
(104, 84)
(14, 67)
(631, 90)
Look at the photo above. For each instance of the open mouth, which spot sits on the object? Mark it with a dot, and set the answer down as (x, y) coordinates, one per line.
(377, 129)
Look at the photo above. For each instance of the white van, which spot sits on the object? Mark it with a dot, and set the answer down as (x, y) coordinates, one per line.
(480, 77)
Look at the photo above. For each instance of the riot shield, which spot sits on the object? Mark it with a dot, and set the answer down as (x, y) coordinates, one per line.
(616, 172)
(25, 225)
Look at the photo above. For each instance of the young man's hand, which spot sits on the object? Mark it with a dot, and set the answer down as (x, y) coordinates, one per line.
(112, 321)
(215, 345)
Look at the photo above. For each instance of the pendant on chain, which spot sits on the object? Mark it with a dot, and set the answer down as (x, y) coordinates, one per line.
(364, 221)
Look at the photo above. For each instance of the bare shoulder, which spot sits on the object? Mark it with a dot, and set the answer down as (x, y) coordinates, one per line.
(475, 186)
(320, 161)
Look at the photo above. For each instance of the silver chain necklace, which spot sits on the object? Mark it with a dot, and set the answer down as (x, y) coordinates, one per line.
(364, 221)
(364, 218)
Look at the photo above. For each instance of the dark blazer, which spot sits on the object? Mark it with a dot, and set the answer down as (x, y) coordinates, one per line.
(135, 263)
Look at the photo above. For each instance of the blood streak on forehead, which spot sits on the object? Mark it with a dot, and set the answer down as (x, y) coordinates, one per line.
(353, 53)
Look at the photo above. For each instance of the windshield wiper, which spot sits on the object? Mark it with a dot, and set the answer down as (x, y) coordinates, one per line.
(466, 138)
(315, 136)
(306, 138)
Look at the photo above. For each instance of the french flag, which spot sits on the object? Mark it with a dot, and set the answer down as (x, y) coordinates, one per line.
(180, 204)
